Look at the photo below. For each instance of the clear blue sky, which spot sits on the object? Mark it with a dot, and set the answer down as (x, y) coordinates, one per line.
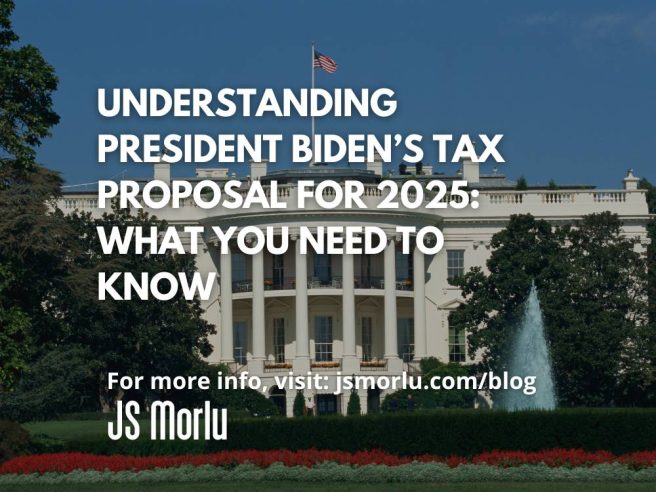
(571, 84)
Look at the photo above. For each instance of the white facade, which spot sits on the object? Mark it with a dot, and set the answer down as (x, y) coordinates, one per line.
(354, 314)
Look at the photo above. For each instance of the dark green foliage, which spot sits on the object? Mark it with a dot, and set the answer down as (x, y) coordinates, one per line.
(13, 335)
(591, 283)
(445, 432)
(521, 183)
(58, 382)
(651, 249)
(136, 337)
(27, 83)
(644, 184)
(552, 185)
(427, 364)
(430, 399)
(30, 261)
(353, 406)
(299, 404)
(522, 252)
(14, 440)
(240, 402)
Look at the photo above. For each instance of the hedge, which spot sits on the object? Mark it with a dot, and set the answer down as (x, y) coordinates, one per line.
(445, 433)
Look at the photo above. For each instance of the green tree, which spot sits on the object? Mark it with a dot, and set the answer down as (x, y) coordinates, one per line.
(639, 371)
(521, 183)
(299, 404)
(27, 83)
(526, 250)
(241, 402)
(651, 248)
(353, 406)
(427, 399)
(644, 184)
(135, 337)
(61, 381)
(30, 236)
(15, 324)
(591, 284)
(599, 313)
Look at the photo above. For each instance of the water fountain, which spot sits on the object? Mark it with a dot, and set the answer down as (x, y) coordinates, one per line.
(529, 356)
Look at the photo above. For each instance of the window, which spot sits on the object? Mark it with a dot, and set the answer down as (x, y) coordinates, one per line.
(239, 333)
(326, 404)
(455, 263)
(366, 338)
(278, 271)
(238, 267)
(403, 266)
(457, 349)
(406, 338)
(279, 339)
(323, 338)
(322, 268)
(365, 270)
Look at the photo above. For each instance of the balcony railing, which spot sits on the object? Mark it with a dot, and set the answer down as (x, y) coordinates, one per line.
(244, 285)
(336, 282)
(565, 200)
(369, 282)
(282, 283)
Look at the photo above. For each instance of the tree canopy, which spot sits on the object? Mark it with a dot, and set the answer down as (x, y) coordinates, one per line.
(131, 337)
(591, 283)
(29, 236)
(27, 83)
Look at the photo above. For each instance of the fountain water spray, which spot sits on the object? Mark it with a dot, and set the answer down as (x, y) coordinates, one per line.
(530, 356)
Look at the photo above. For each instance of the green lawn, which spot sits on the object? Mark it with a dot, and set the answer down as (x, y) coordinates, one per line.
(300, 486)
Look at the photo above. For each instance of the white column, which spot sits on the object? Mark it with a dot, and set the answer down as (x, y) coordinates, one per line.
(419, 284)
(227, 354)
(302, 336)
(258, 306)
(391, 348)
(348, 314)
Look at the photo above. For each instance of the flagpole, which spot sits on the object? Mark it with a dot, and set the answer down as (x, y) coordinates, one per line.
(312, 66)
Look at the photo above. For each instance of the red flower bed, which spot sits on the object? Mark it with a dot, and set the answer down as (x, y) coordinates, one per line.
(67, 462)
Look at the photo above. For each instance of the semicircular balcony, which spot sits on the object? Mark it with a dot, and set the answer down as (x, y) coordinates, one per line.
(325, 276)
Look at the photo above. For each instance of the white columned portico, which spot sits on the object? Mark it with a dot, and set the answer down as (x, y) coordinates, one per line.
(350, 362)
(225, 264)
(419, 285)
(391, 344)
(302, 360)
(258, 312)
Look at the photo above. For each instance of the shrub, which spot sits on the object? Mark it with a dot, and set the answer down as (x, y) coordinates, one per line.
(431, 399)
(240, 402)
(56, 383)
(14, 440)
(444, 432)
(299, 404)
(353, 407)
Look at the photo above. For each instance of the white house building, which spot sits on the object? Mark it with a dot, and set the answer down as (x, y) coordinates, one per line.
(359, 314)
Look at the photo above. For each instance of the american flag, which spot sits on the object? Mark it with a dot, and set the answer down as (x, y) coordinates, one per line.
(324, 62)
